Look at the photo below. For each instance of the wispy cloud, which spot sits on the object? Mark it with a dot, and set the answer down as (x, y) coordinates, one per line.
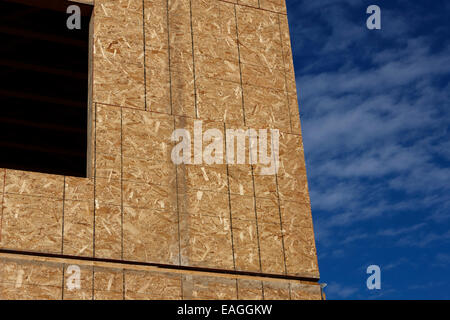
(375, 118)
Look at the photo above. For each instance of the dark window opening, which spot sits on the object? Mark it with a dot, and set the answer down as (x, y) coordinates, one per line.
(44, 70)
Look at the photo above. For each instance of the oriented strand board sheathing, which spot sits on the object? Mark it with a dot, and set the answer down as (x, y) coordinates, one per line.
(108, 231)
(203, 177)
(300, 251)
(151, 236)
(273, 5)
(208, 288)
(31, 281)
(246, 246)
(22, 278)
(34, 184)
(250, 3)
(78, 228)
(158, 77)
(276, 291)
(268, 211)
(146, 135)
(219, 100)
(108, 166)
(152, 286)
(31, 223)
(155, 69)
(301, 291)
(119, 54)
(241, 180)
(296, 214)
(217, 68)
(266, 108)
(271, 247)
(84, 292)
(206, 242)
(243, 207)
(107, 129)
(261, 76)
(108, 284)
(214, 29)
(204, 203)
(250, 290)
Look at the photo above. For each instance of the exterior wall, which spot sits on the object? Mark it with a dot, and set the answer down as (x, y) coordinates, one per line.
(157, 66)
(44, 278)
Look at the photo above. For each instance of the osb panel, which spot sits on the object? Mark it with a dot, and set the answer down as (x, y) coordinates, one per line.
(241, 179)
(108, 284)
(78, 228)
(118, 54)
(137, 200)
(86, 281)
(294, 188)
(35, 184)
(152, 286)
(108, 191)
(183, 94)
(296, 214)
(204, 203)
(250, 290)
(243, 207)
(117, 7)
(265, 186)
(151, 236)
(273, 5)
(145, 195)
(2, 179)
(149, 171)
(271, 243)
(158, 79)
(155, 23)
(32, 223)
(108, 129)
(27, 279)
(79, 189)
(108, 231)
(108, 166)
(246, 247)
(219, 100)
(206, 242)
(208, 288)
(217, 68)
(31, 281)
(119, 85)
(268, 211)
(300, 251)
(276, 291)
(147, 135)
(261, 76)
(214, 29)
(251, 3)
(301, 291)
(204, 177)
(266, 108)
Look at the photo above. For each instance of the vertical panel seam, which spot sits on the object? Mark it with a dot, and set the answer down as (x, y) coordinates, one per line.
(240, 66)
(285, 75)
(63, 207)
(193, 62)
(95, 178)
(145, 56)
(3, 202)
(168, 53)
(229, 202)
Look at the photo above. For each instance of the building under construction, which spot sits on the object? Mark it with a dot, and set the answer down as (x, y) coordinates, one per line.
(94, 205)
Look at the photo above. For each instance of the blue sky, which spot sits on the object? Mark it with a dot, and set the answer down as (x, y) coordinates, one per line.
(375, 110)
